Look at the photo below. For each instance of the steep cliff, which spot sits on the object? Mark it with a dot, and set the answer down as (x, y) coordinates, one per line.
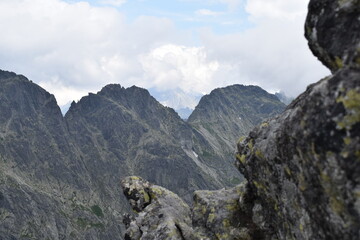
(302, 167)
(45, 189)
(231, 112)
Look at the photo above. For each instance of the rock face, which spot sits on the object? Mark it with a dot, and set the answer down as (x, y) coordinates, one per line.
(302, 167)
(45, 190)
(231, 112)
(163, 215)
(333, 31)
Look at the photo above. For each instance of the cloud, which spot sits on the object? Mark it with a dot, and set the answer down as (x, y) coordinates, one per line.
(207, 12)
(76, 47)
(71, 49)
(175, 66)
(281, 9)
(273, 54)
(232, 4)
(116, 3)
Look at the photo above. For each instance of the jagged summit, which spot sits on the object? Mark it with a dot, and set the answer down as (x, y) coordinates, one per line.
(69, 167)
(231, 112)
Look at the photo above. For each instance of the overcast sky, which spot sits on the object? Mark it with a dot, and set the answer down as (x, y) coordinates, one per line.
(72, 47)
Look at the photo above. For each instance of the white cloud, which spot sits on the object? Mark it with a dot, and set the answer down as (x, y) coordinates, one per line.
(116, 3)
(281, 9)
(207, 12)
(273, 54)
(174, 66)
(232, 4)
(74, 48)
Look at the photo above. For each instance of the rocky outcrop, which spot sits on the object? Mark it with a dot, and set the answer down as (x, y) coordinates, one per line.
(302, 167)
(333, 31)
(163, 215)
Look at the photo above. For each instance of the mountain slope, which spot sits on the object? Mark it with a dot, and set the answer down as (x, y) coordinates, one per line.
(59, 176)
(231, 112)
(126, 131)
(45, 189)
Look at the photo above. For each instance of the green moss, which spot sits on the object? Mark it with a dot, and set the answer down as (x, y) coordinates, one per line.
(287, 170)
(251, 144)
(302, 124)
(302, 182)
(134, 178)
(276, 207)
(241, 158)
(301, 227)
(259, 185)
(357, 60)
(226, 223)
(232, 206)
(351, 102)
(155, 191)
(357, 154)
(338, 62)
(97, 211)
(264, 125)
(259, 154)
(222, 236)
(241, 139)
(211, 218)
(336, 205)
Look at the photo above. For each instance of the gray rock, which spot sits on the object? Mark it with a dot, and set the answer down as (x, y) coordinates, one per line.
(162, 214)
(333, 31)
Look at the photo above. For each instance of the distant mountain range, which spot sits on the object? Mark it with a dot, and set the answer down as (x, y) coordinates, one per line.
(60, 175)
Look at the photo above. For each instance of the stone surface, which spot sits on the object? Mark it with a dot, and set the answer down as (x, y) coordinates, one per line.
(304, 166)
(231, 112)
(333, 31)
(162, 214)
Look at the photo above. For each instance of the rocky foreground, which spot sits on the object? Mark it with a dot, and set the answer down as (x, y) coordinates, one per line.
(302, 167)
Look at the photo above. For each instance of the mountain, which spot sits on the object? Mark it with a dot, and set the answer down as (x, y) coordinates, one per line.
(45, 189)
(182, 102)
(302, 167)
(226, 114)
(126, 131)
(60, 175)
(284, 98)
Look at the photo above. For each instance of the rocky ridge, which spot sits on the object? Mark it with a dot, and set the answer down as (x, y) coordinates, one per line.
(59, 175)
(231, 112)
(302, 167)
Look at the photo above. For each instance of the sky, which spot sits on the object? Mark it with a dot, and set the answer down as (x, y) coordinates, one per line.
(176, 48)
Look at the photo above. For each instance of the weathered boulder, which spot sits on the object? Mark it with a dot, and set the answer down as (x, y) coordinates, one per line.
(333, 31)
(162, 214)
(304, 166)
(222, 214)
